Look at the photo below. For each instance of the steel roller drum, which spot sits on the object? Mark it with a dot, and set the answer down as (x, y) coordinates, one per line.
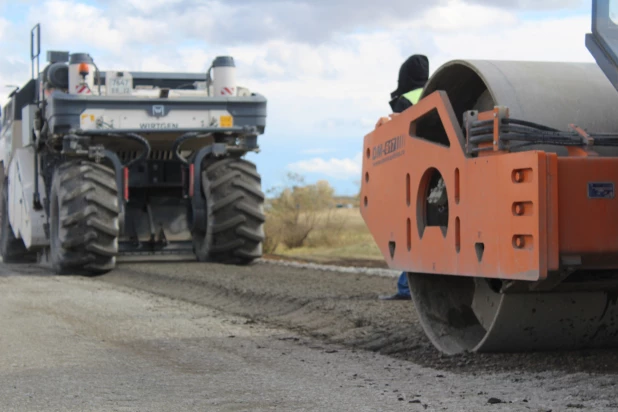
(550, 93)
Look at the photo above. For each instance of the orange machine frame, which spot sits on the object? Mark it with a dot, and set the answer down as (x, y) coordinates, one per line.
(517, 216)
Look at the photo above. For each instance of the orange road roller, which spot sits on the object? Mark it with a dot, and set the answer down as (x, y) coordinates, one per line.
(496, 193)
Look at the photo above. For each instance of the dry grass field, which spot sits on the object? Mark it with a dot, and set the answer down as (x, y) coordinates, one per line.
(338, 235)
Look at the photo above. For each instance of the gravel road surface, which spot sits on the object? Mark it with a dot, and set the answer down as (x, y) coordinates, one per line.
(188, 336)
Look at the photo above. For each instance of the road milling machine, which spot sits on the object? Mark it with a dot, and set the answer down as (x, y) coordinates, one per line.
(99, 165)
(496, 193)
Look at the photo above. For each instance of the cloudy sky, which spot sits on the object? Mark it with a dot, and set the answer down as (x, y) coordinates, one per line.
(327, 67)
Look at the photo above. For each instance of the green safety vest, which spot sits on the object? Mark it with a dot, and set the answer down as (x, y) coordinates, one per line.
(414, 96)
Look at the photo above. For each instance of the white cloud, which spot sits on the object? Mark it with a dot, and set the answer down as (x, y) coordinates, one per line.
(148, 6)
(545, 40)
(457, 16)
(142, 29)
(334, 167)
(4, 29)
(367, 123)
(317, 151)
(66, 22)
(533, 4)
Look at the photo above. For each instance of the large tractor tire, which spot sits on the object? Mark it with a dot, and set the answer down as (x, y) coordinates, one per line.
(235, 213)
(84, 214)
(12, 249)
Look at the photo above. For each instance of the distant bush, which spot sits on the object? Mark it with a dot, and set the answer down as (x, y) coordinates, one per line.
(328, 231)
(295, 212)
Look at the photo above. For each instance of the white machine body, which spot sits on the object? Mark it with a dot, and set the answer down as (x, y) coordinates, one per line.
(27, 223)
(157, 118)
(16, 141)
(78, 83)
(224, 72)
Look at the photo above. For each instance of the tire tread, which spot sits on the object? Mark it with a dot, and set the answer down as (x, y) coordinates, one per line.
(88, 211)
(236, 217)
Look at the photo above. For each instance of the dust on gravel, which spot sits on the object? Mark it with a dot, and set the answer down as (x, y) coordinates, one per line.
(339, 308)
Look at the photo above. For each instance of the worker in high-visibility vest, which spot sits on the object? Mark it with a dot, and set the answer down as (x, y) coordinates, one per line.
(413, 75)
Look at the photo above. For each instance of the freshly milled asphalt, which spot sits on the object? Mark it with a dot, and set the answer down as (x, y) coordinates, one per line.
(190, 336)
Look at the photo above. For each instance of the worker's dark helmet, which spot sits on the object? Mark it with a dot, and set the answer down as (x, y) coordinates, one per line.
(413, 74)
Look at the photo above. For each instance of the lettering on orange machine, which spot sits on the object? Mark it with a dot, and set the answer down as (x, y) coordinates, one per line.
(389, 150)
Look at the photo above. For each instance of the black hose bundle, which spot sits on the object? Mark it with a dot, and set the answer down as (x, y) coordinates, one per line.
(534, 133)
